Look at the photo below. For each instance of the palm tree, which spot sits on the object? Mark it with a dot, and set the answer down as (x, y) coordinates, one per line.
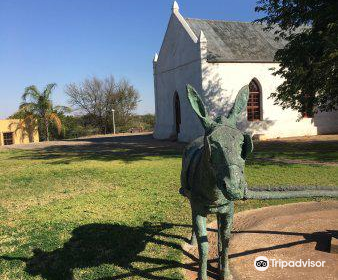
(38, 106)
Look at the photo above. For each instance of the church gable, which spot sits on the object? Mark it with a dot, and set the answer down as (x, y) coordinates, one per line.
(179, 43)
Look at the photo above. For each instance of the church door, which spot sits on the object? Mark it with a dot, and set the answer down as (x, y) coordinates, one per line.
(177, 112)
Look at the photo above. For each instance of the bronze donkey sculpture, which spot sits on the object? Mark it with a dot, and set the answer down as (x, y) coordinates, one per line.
(212, 178)
(213, 175)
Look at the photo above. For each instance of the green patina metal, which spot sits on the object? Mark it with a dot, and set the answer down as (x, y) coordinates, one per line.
(212, 177)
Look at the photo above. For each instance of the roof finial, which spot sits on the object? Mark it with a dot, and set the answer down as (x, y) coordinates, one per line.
(175, 7)
(155, 57)
(202, 38)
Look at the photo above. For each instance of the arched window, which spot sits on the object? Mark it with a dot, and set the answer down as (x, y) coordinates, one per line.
(254, 102)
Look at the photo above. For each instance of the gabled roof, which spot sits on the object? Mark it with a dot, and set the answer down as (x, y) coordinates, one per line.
(236, 41)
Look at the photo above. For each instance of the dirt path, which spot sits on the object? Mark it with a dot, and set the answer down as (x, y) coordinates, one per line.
(288, 232)
(314, 138)
(296, 161)
(90, 140)
(265, 151)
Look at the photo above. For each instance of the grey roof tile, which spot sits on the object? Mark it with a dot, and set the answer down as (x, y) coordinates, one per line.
(230, 41)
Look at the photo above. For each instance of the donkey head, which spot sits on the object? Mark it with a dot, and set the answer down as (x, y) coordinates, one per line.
(225, 146)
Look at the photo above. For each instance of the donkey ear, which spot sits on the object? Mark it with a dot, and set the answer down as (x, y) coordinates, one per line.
(240, 104)
(198, 107)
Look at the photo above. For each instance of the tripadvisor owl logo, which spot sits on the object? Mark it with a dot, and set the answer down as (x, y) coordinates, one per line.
(261, 263)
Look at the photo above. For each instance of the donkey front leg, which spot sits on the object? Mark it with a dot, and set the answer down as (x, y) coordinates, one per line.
(200, 228)
(225, 225)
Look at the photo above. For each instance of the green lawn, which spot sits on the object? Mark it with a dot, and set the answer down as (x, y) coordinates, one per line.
(112, 210)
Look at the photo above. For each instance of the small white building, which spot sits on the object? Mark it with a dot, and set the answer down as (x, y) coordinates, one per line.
(217, 58)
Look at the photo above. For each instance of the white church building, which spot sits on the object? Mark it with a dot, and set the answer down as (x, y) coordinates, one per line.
(217, 58)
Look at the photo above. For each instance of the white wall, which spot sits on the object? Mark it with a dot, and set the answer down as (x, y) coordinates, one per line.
(221, 82)
(326, 122)
(178, 64)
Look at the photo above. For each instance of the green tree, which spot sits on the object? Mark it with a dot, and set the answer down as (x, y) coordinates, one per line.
(97, 98)
(37, 106)
(309, 60)
(73, 127)
(144, 122)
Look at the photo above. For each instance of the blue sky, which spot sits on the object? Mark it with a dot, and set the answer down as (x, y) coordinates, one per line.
(64, 41)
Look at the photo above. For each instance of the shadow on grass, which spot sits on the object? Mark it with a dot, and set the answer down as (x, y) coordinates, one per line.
(281, 151)
(93, 245)
(125, 148)
(141, 147)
